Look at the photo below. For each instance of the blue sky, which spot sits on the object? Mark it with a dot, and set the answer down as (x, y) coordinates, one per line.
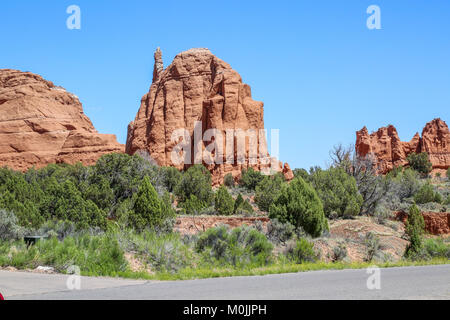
(321, 73)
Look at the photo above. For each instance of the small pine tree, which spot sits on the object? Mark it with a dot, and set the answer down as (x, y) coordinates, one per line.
(238, 202)
(148, 208)
(448, 173)
(224, 203)
(415, 226)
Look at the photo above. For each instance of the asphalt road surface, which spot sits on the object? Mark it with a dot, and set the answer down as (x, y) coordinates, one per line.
(428, 282)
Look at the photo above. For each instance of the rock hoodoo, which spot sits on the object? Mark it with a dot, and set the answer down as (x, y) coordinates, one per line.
(390, 152)
(195, 93)
(41, 123)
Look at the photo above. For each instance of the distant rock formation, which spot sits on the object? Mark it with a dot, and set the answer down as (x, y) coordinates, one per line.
(198, 91)
(41, 123)
(390, 152)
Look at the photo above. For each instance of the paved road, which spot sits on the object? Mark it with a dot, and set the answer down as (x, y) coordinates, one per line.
(429, 282)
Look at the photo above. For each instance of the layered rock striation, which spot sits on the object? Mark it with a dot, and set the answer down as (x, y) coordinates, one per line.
(41, 123)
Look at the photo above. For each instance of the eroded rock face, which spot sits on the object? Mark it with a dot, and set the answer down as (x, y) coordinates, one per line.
(390, 152)
(41, 123)
(198, 92)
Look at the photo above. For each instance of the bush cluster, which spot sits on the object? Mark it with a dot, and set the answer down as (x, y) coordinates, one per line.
(301, 251)
(420, 162)
(250, 178)
(299, 204)
(238, 247)
(83, 195)
(338, 192)
(267, 190)
(427, 194)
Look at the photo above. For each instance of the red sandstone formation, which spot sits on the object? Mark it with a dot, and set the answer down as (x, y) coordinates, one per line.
(390, 152)
(41, 123)
(436, 223)
(199, 91)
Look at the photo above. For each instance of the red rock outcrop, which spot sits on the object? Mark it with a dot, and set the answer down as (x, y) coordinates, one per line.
(436, 223)
(41, 123)
(390, 152)
(195, 93)
(196, 224)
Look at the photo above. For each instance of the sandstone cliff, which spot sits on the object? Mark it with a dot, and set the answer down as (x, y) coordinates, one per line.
(390, 152)
(41, 123)
(198, 92)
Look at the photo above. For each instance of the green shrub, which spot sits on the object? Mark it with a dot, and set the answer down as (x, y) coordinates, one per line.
(193, 205)
(302, 173)
(279, 232)
(161, 252)
(94, 255)
(338, 192)
(267, 190)
(83, 195)
(447, 201)
(9, 228)
(238, 202)
(239, 247)
(228, 180)
(242, 206)
(427, 194)
(300, 205)
(415, 226)
(420, 162)
(448, 173)
(124, 173)
(245, 208)
(302, 251)
(339, 252)
(372, 243)
(436, 248)
(148, 209)
(171, 177)
(250, 178)
(223, 201)
(196, 181)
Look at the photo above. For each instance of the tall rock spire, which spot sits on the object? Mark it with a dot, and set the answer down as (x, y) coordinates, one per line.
(159, 65)
(198, 92)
